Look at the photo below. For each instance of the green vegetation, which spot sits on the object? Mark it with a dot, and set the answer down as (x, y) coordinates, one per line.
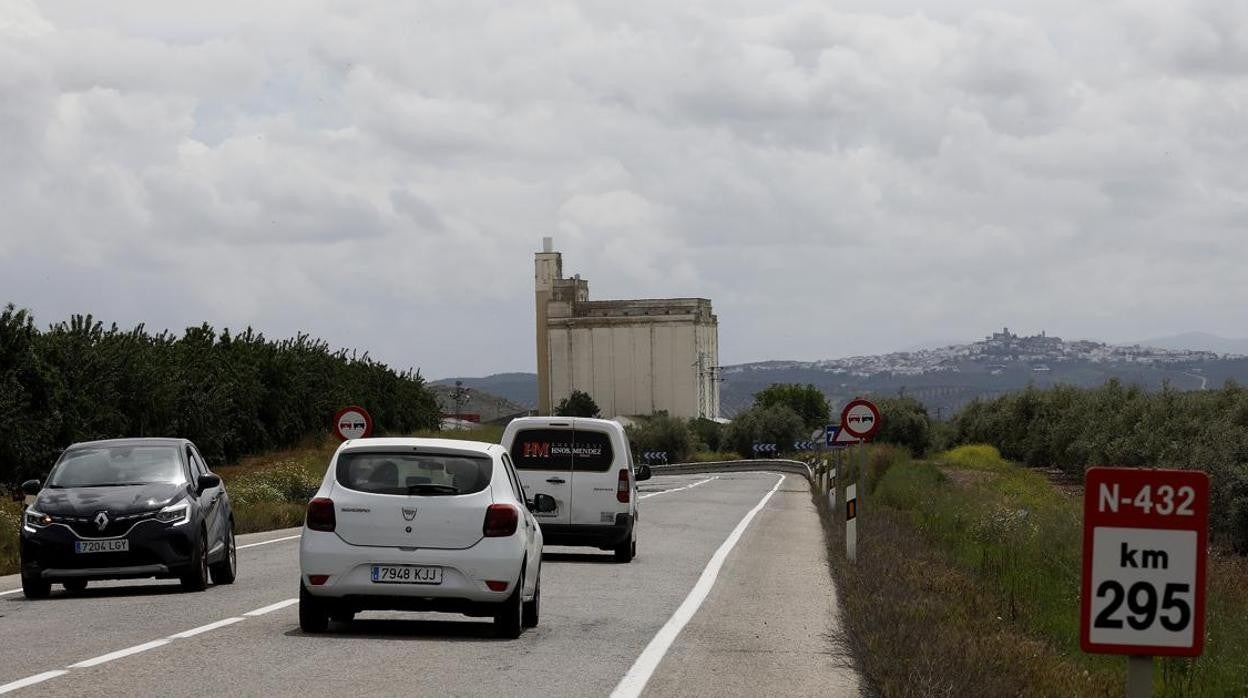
(777, 424)
(905, 423)
(807, 401)
(232, 394)
(578, 404)
(661, 432)
(1073, 428)
(983, 561)
(707, 434)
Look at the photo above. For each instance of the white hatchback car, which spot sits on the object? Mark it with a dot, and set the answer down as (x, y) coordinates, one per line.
(421, 525)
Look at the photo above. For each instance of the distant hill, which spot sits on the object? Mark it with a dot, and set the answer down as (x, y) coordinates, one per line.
(517, 388)
(1199, 340)
(945, 378)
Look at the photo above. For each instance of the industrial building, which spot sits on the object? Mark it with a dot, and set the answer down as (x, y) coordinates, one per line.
(634, 357)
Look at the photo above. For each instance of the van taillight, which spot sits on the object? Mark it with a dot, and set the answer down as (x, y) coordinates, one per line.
(501, 521)
(622, 489)
(321, 514)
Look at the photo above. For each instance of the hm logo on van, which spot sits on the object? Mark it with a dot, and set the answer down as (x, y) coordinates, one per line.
(534, 449)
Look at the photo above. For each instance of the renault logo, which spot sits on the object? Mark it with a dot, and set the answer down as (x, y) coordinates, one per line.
(408, 514)
(101, 520)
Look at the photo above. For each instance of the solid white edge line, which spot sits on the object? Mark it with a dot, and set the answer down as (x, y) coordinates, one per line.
(32, 680)
(265, 542)
(205, 628)
(271, 608)
(10, 591)
(119, 654)
(677, 489)
(634, 682)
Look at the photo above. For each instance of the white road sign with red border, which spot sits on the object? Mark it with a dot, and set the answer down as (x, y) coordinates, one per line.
(1145, 538)
(860, 419)
(353, 422)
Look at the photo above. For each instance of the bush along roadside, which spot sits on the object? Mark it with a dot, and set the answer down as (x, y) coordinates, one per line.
(967, 583)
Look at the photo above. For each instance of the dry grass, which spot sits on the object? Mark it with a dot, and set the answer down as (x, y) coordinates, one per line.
(935, 632)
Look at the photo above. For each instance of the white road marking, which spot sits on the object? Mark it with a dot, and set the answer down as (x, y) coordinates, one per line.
(271, 608)
(31, 680)
(119, 654)
(634, 682)
(205, 628)
(677, 489)
(265, 542)
(10, 591)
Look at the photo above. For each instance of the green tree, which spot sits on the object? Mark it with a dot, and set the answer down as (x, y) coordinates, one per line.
(578, 404)
(905, 423)
(661, 432)
(807, 401)
(777, 424)
(707, 433)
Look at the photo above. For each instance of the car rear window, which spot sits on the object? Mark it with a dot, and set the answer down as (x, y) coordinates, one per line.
(417, 474)
(562, 449)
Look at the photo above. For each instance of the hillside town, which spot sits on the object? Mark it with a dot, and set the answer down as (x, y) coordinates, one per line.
(995, 352)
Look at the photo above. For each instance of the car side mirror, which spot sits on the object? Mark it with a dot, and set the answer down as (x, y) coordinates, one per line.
(543, 504)
(643, 473)
(30, 488)
(208, 481)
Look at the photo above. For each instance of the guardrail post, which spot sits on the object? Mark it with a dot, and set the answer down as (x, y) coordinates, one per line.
(851, 523)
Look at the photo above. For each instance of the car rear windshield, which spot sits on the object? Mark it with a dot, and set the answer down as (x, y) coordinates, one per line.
(562, 449)
(417, 474)
(118, 465)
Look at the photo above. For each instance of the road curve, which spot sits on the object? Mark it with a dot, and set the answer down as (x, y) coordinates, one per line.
(762, 628)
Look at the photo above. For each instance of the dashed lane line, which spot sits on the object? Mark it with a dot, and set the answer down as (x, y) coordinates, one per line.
(677, 489)
(138, 649)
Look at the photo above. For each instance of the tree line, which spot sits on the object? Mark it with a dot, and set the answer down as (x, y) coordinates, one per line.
(1074, 428)
(233, 394)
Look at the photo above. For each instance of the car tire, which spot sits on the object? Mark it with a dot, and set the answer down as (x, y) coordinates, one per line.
(75, 586)
(508, 621)
(625, 551)
(196, 577)
(35, 587)
(342, 615)
(532, 609)
(225, 571)
(313, 612)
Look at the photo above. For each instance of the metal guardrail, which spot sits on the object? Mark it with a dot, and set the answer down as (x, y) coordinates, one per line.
(779, 465)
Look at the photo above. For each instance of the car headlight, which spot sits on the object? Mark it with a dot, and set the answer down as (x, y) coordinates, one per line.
(175, 514)
(33, 520)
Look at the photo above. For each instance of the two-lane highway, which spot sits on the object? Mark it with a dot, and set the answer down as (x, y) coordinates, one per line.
(711, 605)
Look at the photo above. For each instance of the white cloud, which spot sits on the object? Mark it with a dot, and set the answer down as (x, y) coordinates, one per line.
(379, 174)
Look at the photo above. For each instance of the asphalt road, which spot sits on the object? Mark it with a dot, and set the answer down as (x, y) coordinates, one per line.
(729, 595)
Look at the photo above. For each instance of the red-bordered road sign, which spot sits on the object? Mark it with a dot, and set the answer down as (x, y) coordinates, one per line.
(1145, 538)
(353, 422)
(860, 419)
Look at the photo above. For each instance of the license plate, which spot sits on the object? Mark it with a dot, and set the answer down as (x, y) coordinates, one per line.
(101, 546)
(406, 574)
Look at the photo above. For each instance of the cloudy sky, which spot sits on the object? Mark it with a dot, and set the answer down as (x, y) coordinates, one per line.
(838, 177)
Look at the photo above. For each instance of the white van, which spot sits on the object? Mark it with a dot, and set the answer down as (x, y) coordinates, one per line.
(586, 465)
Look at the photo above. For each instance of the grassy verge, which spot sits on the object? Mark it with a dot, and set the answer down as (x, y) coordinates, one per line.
(268, 491)
(981, 560)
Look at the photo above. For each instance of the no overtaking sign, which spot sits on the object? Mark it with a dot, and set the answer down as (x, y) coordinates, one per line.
(1145, 534)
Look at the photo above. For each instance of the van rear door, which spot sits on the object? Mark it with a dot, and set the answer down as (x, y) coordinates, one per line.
(594, 477)
(543, 460)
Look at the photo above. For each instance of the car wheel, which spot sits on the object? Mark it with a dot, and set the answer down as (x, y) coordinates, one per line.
(507, 622)
(196, 578)
(75, 586)
(342, 615)
(225, 571)
(35, 587)
(625, 551)
(313, 615)
(532, 609)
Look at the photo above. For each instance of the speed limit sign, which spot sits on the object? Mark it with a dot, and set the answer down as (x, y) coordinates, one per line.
(1145, 534)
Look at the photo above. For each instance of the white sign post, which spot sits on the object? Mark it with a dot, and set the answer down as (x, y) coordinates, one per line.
(851, 522)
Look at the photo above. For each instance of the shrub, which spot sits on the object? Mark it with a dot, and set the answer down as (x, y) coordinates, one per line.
(661, 432)
(777, 424)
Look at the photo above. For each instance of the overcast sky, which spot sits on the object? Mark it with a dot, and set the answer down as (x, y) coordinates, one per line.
(838, 177)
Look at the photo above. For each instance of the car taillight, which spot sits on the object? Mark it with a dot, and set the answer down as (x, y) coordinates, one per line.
(622, 488)
(321, 514)
(501, 520)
